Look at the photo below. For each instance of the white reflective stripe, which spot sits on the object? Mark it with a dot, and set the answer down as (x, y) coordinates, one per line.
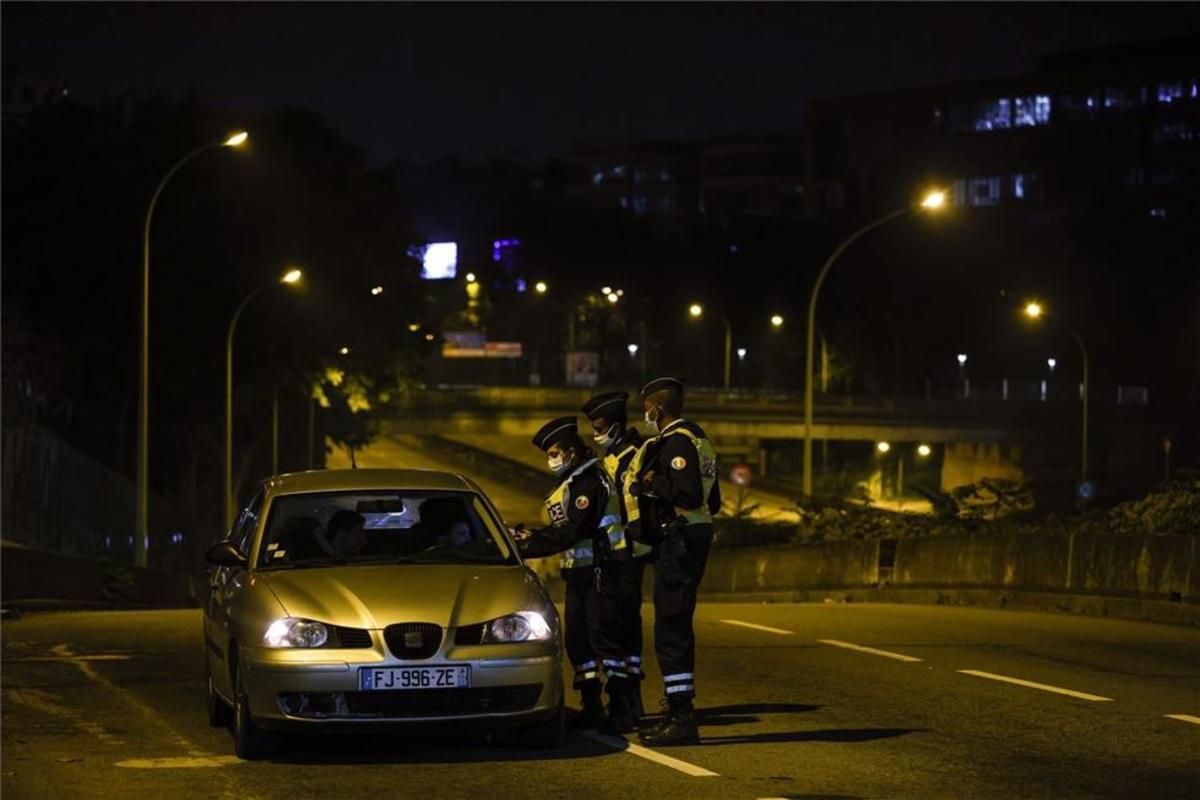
(613, 662)
(586, 665)
(685, 687)
(634, 659)
(679, 676)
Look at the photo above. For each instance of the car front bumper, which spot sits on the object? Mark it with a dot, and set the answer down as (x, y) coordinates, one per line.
(319, 689)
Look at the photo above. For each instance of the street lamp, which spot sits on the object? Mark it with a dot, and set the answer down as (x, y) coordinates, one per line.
(932, 202)
(633, 350)
(696, 311)
(376, 291)
(741, 353)
(923, 450)
(883, 447)
(289, 278)
(1035, 311)
(142, 510)
(344, 351)
(540, 287)
(776, 321)
(1051, 363)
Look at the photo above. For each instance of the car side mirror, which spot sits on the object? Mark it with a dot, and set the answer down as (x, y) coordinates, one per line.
(224, 554)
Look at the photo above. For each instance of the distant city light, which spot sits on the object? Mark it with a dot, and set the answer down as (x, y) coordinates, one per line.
(741, 353)
(521, 286)
(883, 447)
(414, 327)
(606, 290)
(1052, 363)
(429, 337)
(632, 348)
(470, 277)
(1033, 309)
(924, 450)
(612, 297)
(376, 290)
(695, 309)
(620, 292)
(933, 200)
(540, 287)
(439, 261)
(344, 351)
(962, 359)
(776, 320)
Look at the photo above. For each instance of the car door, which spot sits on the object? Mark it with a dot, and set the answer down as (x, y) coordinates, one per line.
(225, 584)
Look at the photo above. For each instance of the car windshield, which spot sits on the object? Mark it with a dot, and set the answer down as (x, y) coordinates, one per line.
(372, 527)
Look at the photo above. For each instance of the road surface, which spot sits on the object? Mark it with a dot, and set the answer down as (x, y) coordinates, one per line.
(798, 701)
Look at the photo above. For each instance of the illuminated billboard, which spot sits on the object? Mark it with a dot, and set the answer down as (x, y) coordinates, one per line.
(439, 260)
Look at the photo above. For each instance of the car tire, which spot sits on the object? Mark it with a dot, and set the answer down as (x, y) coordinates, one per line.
(547, 734)
(250, 742)
(218, 710)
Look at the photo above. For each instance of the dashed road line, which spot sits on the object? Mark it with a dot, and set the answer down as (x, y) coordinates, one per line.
(1045, 687)
(766, 628)
(186, 762)
(617, 743)
(1184, 718)
(863, 649)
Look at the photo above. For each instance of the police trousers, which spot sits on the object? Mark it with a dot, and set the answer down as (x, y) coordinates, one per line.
(631, 615)
(592, 623)
(682, 557)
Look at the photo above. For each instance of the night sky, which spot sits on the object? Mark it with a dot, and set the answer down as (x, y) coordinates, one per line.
(422, 81)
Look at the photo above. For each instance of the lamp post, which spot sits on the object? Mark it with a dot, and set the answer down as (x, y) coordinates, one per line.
(931, 202)
(142, 502)
(290, 277)
(696, 311)
(1035, 311)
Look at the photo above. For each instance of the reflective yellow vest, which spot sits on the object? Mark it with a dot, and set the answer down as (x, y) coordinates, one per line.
(708, 474)
(557, 503)
(629, 506)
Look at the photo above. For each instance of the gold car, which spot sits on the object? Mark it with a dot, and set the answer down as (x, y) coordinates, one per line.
(346, 599)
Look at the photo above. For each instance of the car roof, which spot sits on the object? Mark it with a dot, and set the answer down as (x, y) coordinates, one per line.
(332, 480)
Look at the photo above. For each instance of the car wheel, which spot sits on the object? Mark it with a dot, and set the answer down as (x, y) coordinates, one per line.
(249, 741)
(218, 711)
(547, 734)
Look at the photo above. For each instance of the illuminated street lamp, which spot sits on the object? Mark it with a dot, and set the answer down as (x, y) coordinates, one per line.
(613, 297)
(413, 327)
(932, 202)
(696, 311)
(344, 351)
(883, 447)
(1051, 363)
(376, 290)
(923, 450)
(741, 353)
(142, 503)
(470, 277)
(289, 278)
(633, 350)
(961, 358)
(1035, 311)
(540, 287)
(776, 321)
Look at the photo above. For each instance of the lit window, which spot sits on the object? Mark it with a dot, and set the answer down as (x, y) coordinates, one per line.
(994, 115)
(1032, 110)
(1170, 92)
(958, 193)
(983, 191)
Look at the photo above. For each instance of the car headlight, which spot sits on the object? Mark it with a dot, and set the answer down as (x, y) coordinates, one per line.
(523, 626)
(291, 632)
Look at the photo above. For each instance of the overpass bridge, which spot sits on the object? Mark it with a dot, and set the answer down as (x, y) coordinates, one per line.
(973, 438)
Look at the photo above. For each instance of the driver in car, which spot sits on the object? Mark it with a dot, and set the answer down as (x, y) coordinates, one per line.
(345, 535)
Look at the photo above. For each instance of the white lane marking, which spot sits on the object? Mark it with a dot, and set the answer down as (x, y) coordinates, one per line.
(192, 762)
(98, 657)
(1030, 684)
(618, 743)
(863, 649)
(1184, 718)
(766, 628)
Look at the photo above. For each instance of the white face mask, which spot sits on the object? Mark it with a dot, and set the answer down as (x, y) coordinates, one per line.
(607, 438)
(651, 425)
(557, 465)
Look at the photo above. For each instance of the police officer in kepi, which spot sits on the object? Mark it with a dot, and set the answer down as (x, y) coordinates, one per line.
(618, 443)
(674, 477)
(585, 526)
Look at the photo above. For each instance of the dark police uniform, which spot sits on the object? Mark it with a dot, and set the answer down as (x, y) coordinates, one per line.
(620, 454)
(675, 516)
(585, 526)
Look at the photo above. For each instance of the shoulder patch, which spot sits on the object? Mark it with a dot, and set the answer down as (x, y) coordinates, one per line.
(581, 502)
(678, 462)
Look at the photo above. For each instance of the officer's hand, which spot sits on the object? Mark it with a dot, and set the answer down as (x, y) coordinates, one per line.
(648, 478)
(519, 533)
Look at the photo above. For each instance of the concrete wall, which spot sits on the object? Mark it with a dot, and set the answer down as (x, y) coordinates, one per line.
(32, 577)
(968, 462)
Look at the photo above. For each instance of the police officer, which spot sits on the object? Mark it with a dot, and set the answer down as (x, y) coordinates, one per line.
(674, 476)
(585, 526)
(618, 442)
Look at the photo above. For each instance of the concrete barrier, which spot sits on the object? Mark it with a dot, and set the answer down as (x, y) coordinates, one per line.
(33, 578)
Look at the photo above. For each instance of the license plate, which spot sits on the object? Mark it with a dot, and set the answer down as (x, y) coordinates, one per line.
(392, 678)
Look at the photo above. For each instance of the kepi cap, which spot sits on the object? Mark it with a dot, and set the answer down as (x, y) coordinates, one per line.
(607, 406)
(554, 431)
(670, 382)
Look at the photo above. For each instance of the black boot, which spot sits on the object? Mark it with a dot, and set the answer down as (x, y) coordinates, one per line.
(678, 728)
(591, 715)
(635, 700)
(620, 718)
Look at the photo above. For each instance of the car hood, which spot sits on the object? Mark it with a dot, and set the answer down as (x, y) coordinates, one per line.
(375, 596)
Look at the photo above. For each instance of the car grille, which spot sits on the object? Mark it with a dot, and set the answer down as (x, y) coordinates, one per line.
(413, 640)
(470, 634)
(444, 702)
(352, 637)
